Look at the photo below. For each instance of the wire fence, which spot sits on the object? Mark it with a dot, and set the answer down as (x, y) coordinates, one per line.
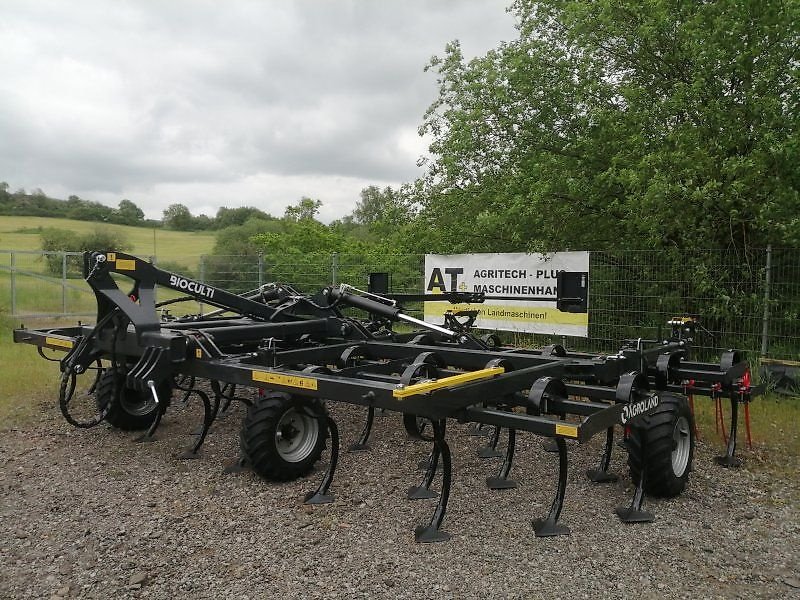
(749, 302)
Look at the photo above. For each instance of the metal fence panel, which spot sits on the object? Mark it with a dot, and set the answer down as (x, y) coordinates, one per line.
(745, 301)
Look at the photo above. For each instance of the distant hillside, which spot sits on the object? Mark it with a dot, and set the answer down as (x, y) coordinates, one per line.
(23, 233)
(176, 216)
(38, 204)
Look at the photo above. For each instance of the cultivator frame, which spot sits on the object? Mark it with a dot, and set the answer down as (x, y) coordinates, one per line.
(301, 350)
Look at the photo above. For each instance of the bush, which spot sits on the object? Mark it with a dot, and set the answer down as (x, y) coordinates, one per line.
(59, 241)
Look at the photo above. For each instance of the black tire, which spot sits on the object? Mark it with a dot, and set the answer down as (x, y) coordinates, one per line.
(131, 410)
(667, 436)
(283, 436)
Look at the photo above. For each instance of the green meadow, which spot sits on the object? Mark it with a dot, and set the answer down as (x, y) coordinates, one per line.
(37, 292)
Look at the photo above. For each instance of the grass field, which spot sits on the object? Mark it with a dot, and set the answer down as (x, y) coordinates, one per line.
(22, 233)
(180, 251)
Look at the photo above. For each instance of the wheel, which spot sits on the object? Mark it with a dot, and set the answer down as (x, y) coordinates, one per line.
(664, 442)
(283, 436)
(132, 410)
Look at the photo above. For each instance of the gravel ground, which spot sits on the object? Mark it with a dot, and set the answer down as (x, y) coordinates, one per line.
(90, 514)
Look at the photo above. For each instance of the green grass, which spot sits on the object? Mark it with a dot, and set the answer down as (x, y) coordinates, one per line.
(180, 250)
(27, 381)
(775, 427)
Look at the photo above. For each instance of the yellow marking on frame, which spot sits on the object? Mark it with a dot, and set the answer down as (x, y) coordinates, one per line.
(567, 430)
(126, 265)
(429, 386)
(111, 257)
(58, 342)
(306, 383)
(198, 353)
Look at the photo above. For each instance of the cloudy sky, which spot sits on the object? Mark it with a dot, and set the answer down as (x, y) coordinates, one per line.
(233, 103)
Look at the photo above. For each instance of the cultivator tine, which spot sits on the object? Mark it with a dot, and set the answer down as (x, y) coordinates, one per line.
(228, 392)
(490, 449)
(423, 491)
(431, 532)
(601, 474)
(550, 444)
(423, 464)
(186, 388)
(549, 526)
(160, 410)
(477, 429)
(634, 513)
(322, 494)
(361, 444)
(209, 415)
(729, 460)
(501, 480)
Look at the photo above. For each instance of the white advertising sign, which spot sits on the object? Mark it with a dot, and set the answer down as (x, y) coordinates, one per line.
(521, 290)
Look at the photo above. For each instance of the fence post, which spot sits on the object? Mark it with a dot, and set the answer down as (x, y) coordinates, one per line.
(334, 267)
(202, 274)
(13, 284)
(765, 319)
(260, 270)
(64, 284)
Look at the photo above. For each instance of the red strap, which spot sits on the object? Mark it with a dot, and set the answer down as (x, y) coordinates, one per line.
(747, 424)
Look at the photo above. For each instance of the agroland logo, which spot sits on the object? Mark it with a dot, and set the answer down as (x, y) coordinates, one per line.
(191, 286)
(634, 409)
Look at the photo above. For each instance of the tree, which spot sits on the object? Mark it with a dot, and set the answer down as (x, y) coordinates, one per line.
(615, 124)
(306, 209)
(128, 213)
(178, 217)
(57, 241)
(228, 217)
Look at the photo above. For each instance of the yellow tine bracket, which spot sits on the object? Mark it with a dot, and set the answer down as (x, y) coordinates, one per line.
(437, 384)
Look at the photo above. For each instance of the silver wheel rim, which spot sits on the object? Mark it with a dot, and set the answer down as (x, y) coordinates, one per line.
(136, 403)
(682, 442)
(296, 435)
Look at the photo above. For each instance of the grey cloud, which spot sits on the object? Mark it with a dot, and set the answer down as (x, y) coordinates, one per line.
(118, 97)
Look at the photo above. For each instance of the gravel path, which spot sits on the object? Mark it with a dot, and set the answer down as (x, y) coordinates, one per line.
(90, 514)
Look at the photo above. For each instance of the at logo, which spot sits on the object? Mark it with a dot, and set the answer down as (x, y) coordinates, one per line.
(437, 279)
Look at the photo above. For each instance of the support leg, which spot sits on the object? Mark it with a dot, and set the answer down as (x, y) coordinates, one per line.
(361, 444)
(729, 460)
(634, 512)
(490, 449)
(549, 526)
(431, 532)
(322, 495)
(601, 474)
(501, 481)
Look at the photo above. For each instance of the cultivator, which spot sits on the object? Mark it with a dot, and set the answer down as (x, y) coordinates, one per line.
(301, 351)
